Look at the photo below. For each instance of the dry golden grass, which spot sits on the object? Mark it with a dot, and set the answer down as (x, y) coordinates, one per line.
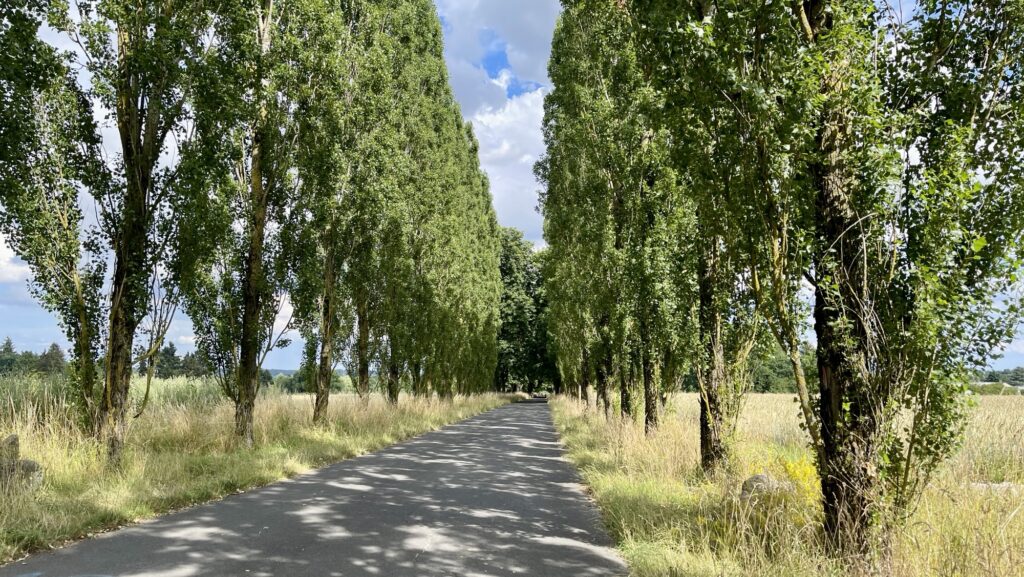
(669, 520)
(182, 452)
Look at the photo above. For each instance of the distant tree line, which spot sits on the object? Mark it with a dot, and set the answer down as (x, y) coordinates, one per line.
(1013, 376)
(168, 365)
(50, 362)
(525, 360)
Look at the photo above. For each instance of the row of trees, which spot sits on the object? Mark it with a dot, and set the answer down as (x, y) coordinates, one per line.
(1014, 377)
(525, 360)
(168, 365)
(50, 362)
(296, 155)
(721, 175)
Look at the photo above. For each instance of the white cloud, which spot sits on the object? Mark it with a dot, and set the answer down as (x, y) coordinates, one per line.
(284, 316)
(1016, 346)
(473, 88)
(12, 269)
(524, 25)
(509, 129)
(511, 141)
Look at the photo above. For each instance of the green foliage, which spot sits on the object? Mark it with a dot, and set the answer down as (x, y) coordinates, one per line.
(616, 222)
(50, 362)
(876, 159)
(524, 361)
(49, 154)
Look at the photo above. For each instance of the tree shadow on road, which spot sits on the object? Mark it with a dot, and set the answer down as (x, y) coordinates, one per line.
(490, 496)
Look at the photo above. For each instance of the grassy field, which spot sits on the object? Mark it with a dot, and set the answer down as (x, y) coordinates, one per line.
(669, 520)
(182, 452)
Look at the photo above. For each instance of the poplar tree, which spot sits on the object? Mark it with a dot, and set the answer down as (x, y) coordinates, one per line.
(917, 239)
(138, 58)
(518, 313)
(615, 218)
(49, 150)
(330, 122)
(878, 158)
(247, 127)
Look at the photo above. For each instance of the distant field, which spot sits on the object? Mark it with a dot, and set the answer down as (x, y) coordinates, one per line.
(182, 451)
(670, 521)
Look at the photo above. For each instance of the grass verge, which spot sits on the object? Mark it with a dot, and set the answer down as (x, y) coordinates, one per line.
(182, 452)
(669, 520)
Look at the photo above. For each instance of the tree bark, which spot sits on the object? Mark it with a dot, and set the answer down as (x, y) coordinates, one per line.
(247, 385)
(417, 378)
(325, 369)
(625, 398)
(253, 275)
(604, 366)
(362, 349)
(711, 369)
(127, 302)
(604, 374)
(650, 389)
(394, 377)
(847, 408)
(84, 368)
(585, 379)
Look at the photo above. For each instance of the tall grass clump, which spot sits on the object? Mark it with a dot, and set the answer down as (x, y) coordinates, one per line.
(182, 451)
(670, 519)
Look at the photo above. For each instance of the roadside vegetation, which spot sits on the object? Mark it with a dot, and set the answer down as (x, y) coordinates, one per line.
(834, 185)
(669, 519)
(182, 451)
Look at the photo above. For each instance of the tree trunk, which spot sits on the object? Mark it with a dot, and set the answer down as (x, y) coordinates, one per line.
(847, 407)
(84, 368)
(394, 376)
(362, 350)
(804, 395)
(325, 370)
(650, 389)
(127, 303)
(585, 379)
(428, 381)
(711, 370)
(253, 276)
(417, 378)
(604, 370)
(118, 379)
(625, 398)
(248, 382)
(850, 423)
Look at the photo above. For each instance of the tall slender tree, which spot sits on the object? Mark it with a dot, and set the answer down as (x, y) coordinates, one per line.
(49, 151)
(236, 292)
(138, 57)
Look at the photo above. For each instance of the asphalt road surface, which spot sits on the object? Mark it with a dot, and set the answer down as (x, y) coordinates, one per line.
(490, 496)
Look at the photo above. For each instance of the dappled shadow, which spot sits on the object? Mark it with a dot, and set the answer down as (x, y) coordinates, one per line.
(490, 496)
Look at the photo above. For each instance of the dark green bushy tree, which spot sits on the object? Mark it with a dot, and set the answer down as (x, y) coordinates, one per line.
(876, 158)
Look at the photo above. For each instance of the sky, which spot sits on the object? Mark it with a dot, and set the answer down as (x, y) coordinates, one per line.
(497, 53)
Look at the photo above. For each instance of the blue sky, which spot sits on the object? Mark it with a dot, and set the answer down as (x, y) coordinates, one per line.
(497, 53)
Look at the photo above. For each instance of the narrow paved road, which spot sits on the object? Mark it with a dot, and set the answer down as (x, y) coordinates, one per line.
(490, 496)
